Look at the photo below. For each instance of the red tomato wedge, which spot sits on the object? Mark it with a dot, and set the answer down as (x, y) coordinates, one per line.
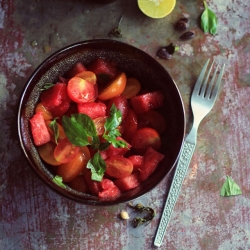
(69, 171)
(81, 91)
(144, 138)
(65, 151)
(129, 182)
(92, 109)
(99, 124)
(118, 166)
(114, 88)
(88, 76)
(152, 119)
(148, 101)
(151, 160)
(46, 151)
(132, 88)
(39, 129)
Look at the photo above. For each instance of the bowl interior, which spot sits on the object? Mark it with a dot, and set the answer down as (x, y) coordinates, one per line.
(135, 63)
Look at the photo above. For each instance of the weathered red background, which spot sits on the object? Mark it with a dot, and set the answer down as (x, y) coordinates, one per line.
(35, 217)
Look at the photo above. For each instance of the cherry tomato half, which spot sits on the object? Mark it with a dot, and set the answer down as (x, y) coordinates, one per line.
(132, 88)
(69, 171)
(65, 151)
(46, 152)
(114, 88)
(88, 76)
(81, 91)
(118, 166)
(47, 115)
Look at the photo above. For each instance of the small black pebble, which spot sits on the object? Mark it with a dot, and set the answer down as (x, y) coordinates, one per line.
(187, 35)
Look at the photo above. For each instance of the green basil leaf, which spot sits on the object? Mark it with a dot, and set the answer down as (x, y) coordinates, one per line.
(97, 166)
(54, 126)
(47, 85)
(104, 145)
(59, 181)
(80, 130)
(230, 188)
(114, 120)
(208, 20)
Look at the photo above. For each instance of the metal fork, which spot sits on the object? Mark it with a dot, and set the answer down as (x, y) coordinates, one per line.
(202, 101)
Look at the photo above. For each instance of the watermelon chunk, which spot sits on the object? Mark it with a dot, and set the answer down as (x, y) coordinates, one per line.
(148, 101)
(136, 160)
(110, 190)
(150, 162)
(39, 129)
(92, 109)
(94, 186)
(129, 182)
(104, 70)
(56, 99)
(76, 69)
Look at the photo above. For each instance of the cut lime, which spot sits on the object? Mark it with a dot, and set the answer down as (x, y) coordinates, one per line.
(156, 8)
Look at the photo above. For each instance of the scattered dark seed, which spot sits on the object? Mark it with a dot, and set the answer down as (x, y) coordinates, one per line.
(187, 35)
(164, 54)
(181, 26)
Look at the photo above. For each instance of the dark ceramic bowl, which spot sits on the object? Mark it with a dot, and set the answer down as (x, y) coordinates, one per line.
(135, 63)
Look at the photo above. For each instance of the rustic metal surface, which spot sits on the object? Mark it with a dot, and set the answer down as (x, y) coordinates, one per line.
(34, 217)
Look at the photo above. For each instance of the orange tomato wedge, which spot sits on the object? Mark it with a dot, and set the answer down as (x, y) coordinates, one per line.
(114, 88)
(88, 76)
(132, 88)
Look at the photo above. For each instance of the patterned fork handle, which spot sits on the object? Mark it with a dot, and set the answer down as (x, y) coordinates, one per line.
(180, 173)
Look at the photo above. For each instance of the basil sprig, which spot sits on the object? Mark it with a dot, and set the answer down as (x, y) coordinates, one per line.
(54, 126)
(230, 188)
(97, 166)
(208, 20)
(81, 131)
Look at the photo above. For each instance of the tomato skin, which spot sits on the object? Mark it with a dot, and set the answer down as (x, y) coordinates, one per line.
(88, 76)
(132, 88)
(121, 103)
(69, 171)
(92, 109)
(118, 166)
(114, 88)
(39, 129)
(130, 125)
(46, 152)
(99, 124)
(65, 151)
(144, 138)
(81, 91)
(152, 119)
(47, 115)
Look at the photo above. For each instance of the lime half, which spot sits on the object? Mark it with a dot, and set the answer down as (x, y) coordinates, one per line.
(156, 8)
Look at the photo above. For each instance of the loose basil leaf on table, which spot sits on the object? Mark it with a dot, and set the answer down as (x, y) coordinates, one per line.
(230, 188)
(208, 20)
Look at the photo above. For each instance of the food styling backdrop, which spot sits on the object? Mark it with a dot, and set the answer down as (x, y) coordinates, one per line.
(35, 217)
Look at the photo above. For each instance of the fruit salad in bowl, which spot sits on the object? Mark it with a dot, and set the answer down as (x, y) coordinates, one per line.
(101, 122)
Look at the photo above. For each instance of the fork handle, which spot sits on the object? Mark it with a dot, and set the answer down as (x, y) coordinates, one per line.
(180, 172)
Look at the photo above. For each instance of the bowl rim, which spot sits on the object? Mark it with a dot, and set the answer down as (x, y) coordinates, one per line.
(21, 104)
